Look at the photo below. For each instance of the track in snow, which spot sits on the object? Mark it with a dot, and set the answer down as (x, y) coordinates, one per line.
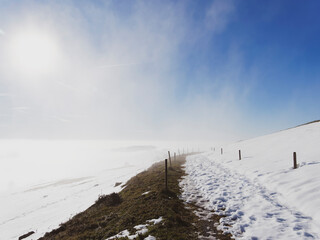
(252, 211)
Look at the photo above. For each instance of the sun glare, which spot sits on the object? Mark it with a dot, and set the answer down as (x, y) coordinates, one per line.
(33, 53)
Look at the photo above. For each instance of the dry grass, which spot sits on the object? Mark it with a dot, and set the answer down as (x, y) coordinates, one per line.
(114, 213)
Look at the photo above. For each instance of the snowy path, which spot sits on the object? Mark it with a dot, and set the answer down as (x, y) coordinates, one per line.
(252, 210)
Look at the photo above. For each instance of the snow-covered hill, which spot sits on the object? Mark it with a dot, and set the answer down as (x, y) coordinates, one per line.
(262, 196)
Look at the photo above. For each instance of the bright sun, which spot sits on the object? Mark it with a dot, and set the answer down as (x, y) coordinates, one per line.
(33, 52)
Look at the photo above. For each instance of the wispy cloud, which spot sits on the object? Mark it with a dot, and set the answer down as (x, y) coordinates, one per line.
(133, 93)
(219, 14)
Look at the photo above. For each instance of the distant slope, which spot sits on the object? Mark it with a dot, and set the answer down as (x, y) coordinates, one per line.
(303, 124)
(315, 121)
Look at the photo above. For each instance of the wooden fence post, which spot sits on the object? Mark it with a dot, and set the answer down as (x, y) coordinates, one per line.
(295, 165)
(166, 173)
(169, 158)
(175, 157)
(239, 154)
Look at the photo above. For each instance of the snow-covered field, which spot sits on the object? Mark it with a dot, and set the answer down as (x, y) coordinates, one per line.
(262, 196)
(78, 172)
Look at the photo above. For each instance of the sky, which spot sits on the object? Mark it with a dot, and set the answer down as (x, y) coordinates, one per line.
(219, 70)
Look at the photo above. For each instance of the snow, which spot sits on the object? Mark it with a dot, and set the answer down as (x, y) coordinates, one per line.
(140, 229)
(124, 233)
(150, 238)
(156, 221)
(145, 193)
(42, 207)
(261, 196)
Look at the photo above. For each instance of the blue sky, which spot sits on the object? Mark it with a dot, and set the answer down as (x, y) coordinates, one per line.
(203, 70)
(277, 46)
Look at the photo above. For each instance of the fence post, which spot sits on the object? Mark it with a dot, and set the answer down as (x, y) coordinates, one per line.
(169, 158)
(239, 154)
(221, 151)
(175, 157)
(295, 165)
(166, 173)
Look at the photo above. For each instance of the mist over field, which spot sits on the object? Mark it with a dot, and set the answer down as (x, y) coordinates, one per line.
(29, 163)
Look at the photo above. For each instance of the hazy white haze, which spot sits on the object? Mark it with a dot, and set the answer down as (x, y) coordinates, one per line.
(107, 72)
(28, 163)
(103, 71)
